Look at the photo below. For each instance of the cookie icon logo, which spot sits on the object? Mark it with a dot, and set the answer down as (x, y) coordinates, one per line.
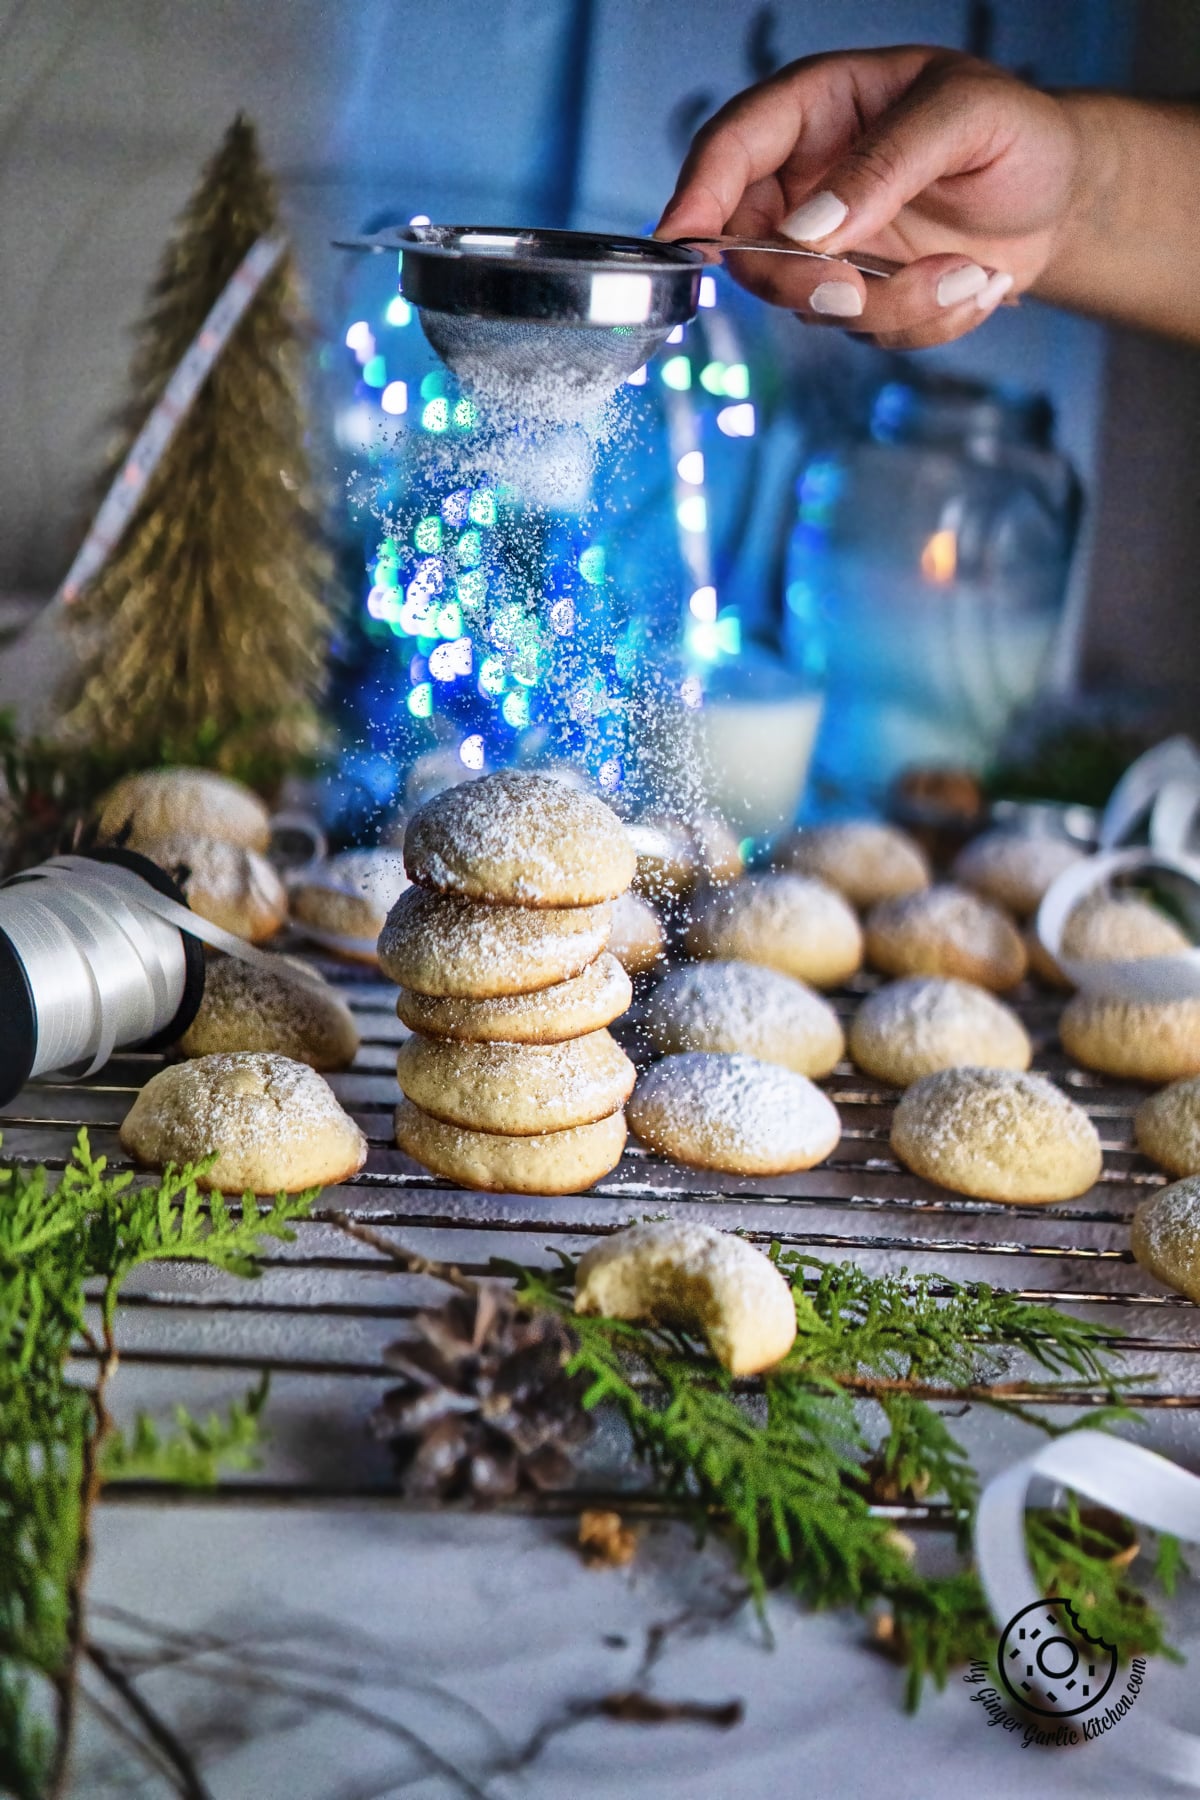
(1050, 1664)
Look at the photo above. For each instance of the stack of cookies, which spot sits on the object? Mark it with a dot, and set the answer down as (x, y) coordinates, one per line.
(510, 1080)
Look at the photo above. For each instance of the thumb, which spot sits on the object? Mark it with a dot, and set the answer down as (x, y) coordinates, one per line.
(936, 130)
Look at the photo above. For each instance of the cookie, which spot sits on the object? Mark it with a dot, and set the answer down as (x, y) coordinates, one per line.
(946, 931)
(225, 883)
(1167, 1127)
(159, 803)
(1014, 868)
(863, 859)
(915, 1027)
(1166, 1237)
(444, 947)
(788, 922)
(519, 840)
(292, 1014)
(733, 1113)
(569, 1009)
(668, 859)
(695, 1279)
(273, 1124)
(636, 939)
(554, 1162)
(1109, 928)
(1136, 1040)
(343, 905)
(996, 1134)
(519, 1090)
(741, 1006)
(720, 848)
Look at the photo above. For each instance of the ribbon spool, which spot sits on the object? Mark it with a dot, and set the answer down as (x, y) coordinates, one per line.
(88, 965)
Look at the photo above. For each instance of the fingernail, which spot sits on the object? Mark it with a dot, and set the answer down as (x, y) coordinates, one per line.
(815, 219)
(995, 289)
(839, 299)
(960, 284)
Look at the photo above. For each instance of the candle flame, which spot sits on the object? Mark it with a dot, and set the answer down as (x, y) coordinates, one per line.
(939, 558)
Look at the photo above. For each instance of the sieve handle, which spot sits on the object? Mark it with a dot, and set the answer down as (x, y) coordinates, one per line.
(857, 259)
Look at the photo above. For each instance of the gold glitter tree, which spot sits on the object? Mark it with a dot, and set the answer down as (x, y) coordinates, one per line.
(203, 637)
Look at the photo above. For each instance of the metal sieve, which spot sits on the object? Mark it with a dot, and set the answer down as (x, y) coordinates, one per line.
(555, 320)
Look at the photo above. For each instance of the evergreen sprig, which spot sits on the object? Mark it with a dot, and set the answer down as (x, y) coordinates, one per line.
(66, 1249)
(790, 1471)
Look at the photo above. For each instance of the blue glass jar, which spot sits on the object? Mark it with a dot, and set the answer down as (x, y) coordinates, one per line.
(926, 580)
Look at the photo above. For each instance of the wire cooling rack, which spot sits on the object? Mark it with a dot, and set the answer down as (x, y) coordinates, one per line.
(326, 1305)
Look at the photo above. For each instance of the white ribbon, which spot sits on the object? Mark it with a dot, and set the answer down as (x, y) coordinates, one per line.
(150, 445)
(1171, 765)
(1152, 978)
(1146, 1488)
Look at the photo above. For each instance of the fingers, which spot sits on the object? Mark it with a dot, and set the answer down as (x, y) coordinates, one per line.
(807, 114)
(948, 124)
(932, 301)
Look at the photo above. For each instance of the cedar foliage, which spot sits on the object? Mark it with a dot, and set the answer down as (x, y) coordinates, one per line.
(789, 1472)
(65, 1252)
(203, 637)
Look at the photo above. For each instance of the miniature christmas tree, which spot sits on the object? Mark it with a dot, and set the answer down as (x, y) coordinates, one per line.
(202, 638)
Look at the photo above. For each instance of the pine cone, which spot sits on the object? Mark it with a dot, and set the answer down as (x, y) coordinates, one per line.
(484, 1407)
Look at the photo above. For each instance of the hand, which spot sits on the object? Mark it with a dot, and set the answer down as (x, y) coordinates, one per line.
(925, 156)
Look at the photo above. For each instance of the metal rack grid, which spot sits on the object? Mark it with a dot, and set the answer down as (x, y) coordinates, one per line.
(326, 1305)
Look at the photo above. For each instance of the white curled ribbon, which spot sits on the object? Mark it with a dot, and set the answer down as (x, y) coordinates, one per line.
(1154, 794)
(1146, 1488)
(1152, 978)
(150, 445)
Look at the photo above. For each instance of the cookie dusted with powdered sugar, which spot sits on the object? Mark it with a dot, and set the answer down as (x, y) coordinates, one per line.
(788, 922)
(741, 1006)
(862, 858)
(695, 1279)
(555, 1162)
(225, 883)
(159, 803)
(996, 1134)
(1015, 869)
(517, 839)
(447, 948)
(345, 902)
(273, 1124)
(569, 1009)
(520, 1090)
(913, 1028)
(1109, 928)
(1166, 1236)
(294, 1014)
(1136, 1040)
(637, 938)
(733, 1113)
(946, 931)
(1167, 1127)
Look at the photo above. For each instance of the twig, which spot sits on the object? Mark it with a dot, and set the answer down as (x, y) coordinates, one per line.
(189, 1782)
(122, 1730)
(408, 1259)
(66, 1681)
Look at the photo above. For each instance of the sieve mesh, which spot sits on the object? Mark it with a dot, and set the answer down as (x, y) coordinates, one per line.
(554, 371)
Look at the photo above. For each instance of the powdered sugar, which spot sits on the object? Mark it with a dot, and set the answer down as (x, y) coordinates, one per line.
(520, 837)
(437, 944)
(733, 1112)
(743, 1007)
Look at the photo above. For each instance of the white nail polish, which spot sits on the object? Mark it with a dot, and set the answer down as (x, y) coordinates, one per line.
(837, 299)
(815, 219)
(961, 284)
(997, 287)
